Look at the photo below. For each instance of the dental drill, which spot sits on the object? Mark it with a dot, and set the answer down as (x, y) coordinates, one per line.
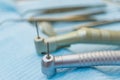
(50, 65)
(84, 35)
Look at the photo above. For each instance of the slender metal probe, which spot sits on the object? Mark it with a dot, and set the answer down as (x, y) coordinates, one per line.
(37, 30)
(48, 51)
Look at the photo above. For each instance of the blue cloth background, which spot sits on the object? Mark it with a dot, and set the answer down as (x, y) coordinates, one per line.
(19, 60)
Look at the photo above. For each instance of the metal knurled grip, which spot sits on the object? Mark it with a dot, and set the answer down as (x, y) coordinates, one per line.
(104, 58)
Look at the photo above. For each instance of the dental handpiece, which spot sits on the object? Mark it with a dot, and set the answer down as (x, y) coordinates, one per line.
(84, 35)
(105, 58)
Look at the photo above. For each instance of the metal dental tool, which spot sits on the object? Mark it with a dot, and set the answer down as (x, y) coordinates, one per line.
(42, 19)
(69, 8)
(74, 16)
(104, 58)
(62, 19)
(84, 35)
(51, 19)
(55, 8)
(37, 30)
(48, 53)
(60, 10)
(85, 15)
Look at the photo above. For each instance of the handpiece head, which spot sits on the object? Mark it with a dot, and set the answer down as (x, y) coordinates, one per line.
(48, 66)
(40, 45)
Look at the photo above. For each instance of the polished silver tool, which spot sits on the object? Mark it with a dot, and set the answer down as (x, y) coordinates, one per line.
(51, 19)
(68, 9)
(85, 15)
(53, 8)
(84, 35)
(37, 30)
(62, 19)
(75, 16)
(105, 58)
(48, 53)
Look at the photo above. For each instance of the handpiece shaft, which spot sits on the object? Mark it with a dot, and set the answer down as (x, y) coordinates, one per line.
(87, 35)
(89, 59)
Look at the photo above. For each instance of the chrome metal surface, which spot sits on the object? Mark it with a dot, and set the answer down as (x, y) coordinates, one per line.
(104, 58)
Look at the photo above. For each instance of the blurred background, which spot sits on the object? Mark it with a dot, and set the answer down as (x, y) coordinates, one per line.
(18, 58)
